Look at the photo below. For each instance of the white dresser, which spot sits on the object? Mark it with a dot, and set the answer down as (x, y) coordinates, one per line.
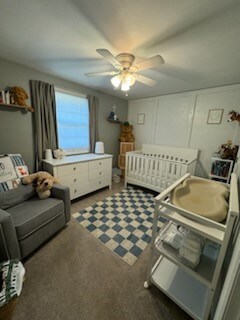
(82, 173)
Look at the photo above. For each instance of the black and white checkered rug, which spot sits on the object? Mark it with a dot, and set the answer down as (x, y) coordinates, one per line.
(122, 222)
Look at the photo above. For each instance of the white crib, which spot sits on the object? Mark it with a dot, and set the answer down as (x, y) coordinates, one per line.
(157, 167)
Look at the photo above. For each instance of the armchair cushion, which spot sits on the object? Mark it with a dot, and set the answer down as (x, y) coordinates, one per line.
(15, 196)
(62, 192)
(31, 215)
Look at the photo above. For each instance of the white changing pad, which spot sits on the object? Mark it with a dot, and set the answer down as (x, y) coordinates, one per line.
(201, 196)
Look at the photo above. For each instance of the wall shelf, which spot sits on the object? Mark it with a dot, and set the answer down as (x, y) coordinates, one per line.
(114, 121)
(30, 109)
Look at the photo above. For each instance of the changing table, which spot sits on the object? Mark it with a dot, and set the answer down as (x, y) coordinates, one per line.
(192, 289)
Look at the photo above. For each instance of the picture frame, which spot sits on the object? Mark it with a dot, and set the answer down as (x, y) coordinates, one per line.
(215, 116)
(141, 118)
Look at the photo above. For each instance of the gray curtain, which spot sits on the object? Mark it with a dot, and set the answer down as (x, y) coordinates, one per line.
(43, 100)
(93, 104)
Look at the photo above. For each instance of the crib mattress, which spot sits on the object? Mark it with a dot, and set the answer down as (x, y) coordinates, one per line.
(207, 198)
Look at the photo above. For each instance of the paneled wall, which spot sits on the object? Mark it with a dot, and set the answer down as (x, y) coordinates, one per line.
(181, 120)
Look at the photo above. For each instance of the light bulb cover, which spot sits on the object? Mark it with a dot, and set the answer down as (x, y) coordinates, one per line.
(116, 80)
(125, 86)
(130, 79)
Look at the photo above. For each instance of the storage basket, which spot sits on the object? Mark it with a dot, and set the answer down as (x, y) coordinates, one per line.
(126, 147)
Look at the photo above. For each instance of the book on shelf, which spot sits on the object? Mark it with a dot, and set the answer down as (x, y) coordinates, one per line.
(220, 168)
(3, 97)
(7, 97)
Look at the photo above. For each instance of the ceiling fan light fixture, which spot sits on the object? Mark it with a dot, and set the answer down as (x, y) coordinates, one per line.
(116, 80)
(126, 73)
(125, 86)
(130, 79)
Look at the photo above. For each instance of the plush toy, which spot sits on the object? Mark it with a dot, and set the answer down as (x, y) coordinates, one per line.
(19, 96)
(228, 151)
(126, 133)
(42, 182)
(233, 115)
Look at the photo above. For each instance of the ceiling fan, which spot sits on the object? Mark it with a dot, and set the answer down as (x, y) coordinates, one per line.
(126, 73)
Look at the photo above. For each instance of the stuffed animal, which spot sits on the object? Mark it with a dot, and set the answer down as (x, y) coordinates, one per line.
(126, 133)
(228, 151)
(59, 154)
(19, 96)
(233, 115)
(42, 182)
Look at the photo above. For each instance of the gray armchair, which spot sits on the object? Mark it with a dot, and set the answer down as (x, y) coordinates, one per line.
(26, 222)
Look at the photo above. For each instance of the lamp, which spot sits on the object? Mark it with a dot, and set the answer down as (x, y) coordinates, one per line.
(125, 78)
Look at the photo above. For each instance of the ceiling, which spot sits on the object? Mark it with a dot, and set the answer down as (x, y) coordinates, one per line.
(199, 40)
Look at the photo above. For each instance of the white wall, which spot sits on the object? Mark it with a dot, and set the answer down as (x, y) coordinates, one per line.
(181, 120)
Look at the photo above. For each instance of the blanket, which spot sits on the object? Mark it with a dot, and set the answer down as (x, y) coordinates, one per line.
(12, 169)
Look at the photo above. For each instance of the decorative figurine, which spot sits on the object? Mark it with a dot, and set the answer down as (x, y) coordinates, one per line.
(112, 115)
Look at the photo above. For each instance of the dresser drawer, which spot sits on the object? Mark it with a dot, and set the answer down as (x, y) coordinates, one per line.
(100, 164)
(98, 173)
(70, 169)
(77, 190)
(74, 179)
(77, 185)
(99, 183)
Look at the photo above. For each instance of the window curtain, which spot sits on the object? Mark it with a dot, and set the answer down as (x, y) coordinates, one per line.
(93, 104)
(43, 100)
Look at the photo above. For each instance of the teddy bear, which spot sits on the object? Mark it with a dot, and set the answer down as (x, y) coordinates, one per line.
(19, 96)
(42, 182)
(126, 133)
(228, 150)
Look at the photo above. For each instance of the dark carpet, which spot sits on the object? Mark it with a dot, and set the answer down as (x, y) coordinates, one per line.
(75, 277)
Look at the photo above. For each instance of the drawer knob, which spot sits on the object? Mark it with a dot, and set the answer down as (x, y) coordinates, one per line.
(100, 182)
(74, 168)
(100, 173)
(75, 191)
(75, 180)
(100, 163)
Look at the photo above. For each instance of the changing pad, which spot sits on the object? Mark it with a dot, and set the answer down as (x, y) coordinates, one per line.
(201, 196)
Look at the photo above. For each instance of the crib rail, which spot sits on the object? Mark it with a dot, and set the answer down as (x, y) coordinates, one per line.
(156, 171)
(161, 156)
(181, 153)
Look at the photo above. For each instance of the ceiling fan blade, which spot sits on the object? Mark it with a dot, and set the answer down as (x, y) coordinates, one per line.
(145, 80)
(100, 74)
(149, 63)
(109, 57)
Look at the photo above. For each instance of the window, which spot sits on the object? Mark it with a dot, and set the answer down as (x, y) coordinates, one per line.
(72, 122)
